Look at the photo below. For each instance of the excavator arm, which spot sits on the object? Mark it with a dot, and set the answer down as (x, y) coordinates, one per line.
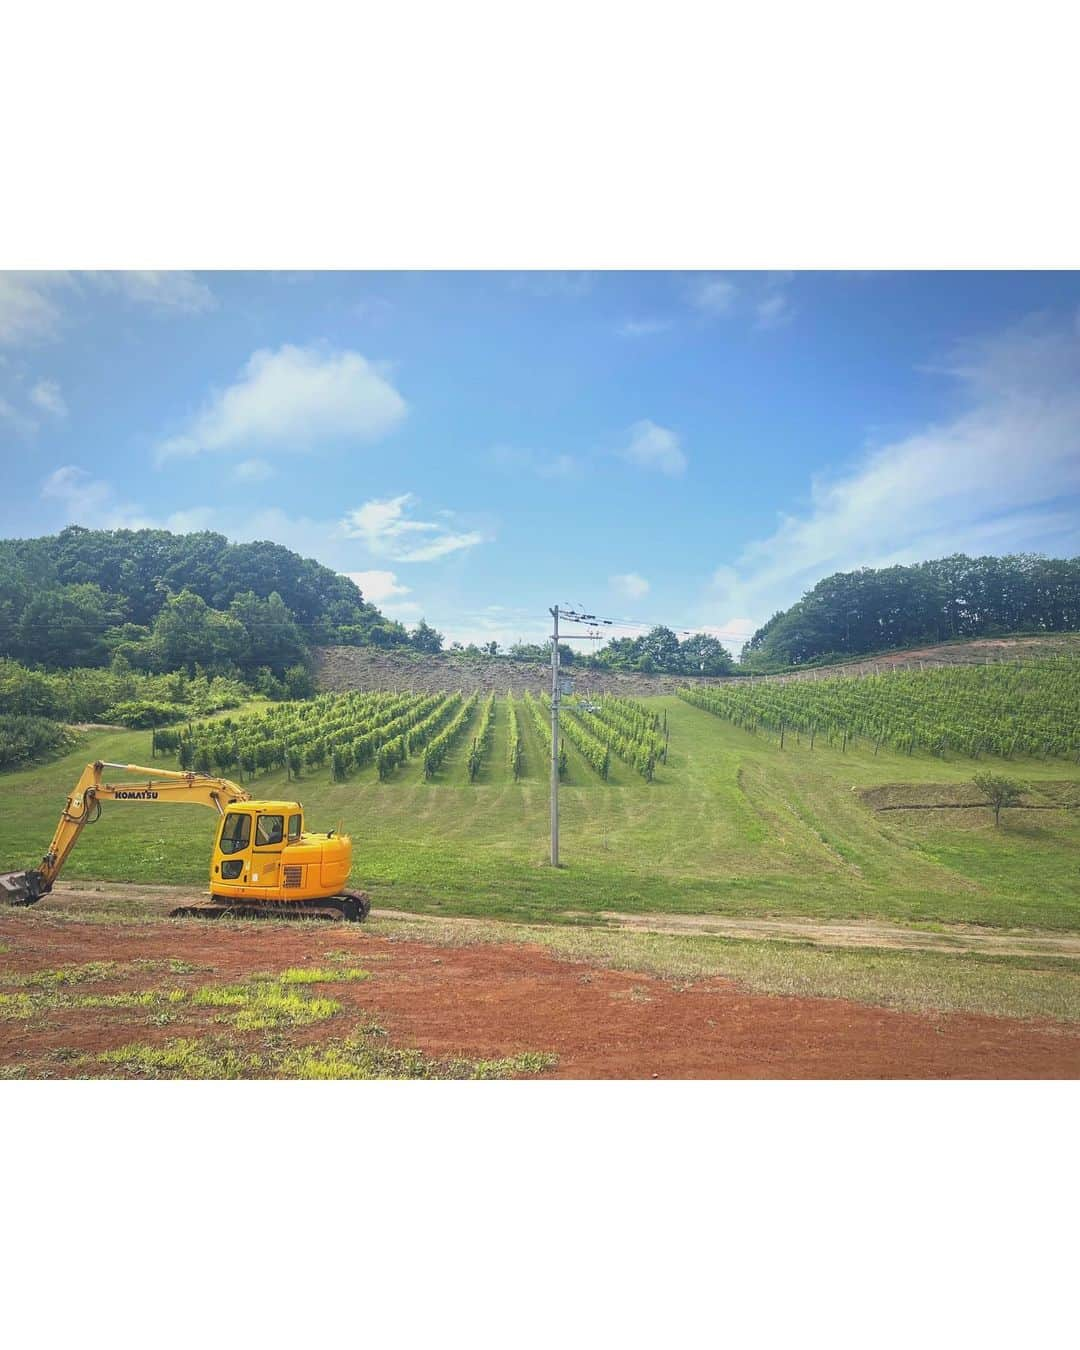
(84, 807)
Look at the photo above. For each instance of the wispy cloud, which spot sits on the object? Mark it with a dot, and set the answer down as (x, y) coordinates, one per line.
(294, 398)
(18, 421)
(504, 624)
(30, 312)
(655, 447)
(253, 471)
(34, 305)
(764, 298)
(637, 328)
(629, 584)
(517, 460)
(388, 531)
(775, 308)
(558, 285)
(91, 501)
(1001, 474)
(167, 292)
(46, 395)
(714, 295)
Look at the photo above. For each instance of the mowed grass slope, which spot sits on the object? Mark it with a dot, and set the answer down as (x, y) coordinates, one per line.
(731, 825)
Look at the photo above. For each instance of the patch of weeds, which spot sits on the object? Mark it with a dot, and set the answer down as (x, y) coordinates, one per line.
(10, 1071)
(513, 1066)
(314, 975)
(182, 1059)
(358, 1057)
(343, 958)
(5, 947)
(16, 1007)
(173, 964)
(53, 998)
(362, 1055)
(139, 998)
(264, 1006)
(45, 979)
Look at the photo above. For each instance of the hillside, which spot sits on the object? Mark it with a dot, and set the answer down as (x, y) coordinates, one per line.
(344, 668)
(730, 826)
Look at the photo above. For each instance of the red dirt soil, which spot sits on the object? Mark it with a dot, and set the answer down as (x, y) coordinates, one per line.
(485, 1001)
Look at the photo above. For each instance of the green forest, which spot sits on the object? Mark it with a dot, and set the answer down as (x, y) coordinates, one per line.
(880, 609)
(170, 602)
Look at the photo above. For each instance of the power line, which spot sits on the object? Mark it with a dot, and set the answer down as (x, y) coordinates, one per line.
(593, 620)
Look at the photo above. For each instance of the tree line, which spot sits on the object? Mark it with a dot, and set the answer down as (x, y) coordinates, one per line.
(878, 609)
(159, 601)
(659, 652)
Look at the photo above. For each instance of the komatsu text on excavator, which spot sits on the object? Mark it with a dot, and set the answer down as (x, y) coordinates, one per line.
(264, 861)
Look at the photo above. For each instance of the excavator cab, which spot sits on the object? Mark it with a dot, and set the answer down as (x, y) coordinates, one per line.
(262, 852)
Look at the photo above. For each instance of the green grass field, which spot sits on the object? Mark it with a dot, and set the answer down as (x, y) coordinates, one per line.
(731, 825)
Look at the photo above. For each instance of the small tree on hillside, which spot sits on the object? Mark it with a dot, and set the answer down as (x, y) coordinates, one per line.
(999, 791)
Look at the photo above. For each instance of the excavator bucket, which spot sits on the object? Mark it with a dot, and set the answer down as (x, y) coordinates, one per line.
(21, 888)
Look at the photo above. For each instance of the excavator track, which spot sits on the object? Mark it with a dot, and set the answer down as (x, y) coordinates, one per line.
(350, 906)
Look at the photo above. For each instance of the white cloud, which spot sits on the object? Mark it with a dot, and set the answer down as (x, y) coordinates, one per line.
(28, 311)
(388, 532)
(714, 295)
(554, 466)
(168, 292)
(629, 584)
(655, 447)
(294, 398)
(92, 502)
(380, 587)
(46, 395)
(253, 471)
(1002, 474)
(635, 328)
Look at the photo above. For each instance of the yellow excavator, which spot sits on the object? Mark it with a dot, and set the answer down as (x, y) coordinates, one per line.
(264, 861)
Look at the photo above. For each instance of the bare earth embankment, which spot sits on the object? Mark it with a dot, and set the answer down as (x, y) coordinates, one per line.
(343, 668)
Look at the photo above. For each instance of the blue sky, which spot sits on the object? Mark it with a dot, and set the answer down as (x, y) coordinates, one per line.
(691, 448)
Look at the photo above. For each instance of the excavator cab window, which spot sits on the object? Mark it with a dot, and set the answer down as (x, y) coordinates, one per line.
(269, 831)
(235, 832)
(295, 827)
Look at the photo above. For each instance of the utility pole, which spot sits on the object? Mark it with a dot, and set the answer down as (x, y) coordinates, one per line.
(555, 738)
(556, 696)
